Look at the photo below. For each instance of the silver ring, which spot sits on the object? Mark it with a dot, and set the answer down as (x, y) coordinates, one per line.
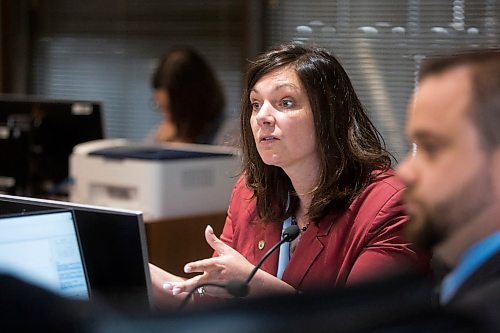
(201, 291)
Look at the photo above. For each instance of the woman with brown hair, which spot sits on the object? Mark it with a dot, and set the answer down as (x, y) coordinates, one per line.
(311, 157)
(187, 92)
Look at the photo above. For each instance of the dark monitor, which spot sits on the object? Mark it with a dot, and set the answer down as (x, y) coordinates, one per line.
(114, 249)
(36, 138)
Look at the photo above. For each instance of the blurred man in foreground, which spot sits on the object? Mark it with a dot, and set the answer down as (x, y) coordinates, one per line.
(453, 177)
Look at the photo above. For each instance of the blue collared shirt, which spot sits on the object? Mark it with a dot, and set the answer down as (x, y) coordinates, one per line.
(472, 259)
(284, 256)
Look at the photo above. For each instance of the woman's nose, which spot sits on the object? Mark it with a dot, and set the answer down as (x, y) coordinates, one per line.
(265, 116)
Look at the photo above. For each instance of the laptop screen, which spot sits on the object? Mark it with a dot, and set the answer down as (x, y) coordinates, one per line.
(43, 249)
(114, 248)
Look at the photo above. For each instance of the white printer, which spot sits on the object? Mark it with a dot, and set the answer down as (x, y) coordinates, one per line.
(161, 180)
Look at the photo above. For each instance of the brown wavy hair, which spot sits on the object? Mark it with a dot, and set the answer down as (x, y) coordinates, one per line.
(350, 148)
(196, 97)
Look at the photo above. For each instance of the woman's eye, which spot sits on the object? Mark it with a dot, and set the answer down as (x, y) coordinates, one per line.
(255, 106)
(287, 103)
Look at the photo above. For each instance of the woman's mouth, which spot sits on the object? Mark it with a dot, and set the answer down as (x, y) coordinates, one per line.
(268, 138)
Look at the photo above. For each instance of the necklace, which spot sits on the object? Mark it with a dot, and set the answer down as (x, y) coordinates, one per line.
(294, 222)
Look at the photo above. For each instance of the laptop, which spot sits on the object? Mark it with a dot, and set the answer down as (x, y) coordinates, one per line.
(114, 249)
(43, 248)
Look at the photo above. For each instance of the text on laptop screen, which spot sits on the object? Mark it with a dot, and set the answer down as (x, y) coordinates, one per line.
(43, 249)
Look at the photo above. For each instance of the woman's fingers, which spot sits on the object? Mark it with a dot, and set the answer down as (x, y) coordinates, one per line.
(185, 286)
(216, 270)
(203, 266)
(210, 264)
(203, 287)
(215, 243)
(161, 295)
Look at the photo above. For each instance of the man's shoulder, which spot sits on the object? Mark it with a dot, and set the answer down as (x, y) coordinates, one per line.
(479, 297)
(483, 285)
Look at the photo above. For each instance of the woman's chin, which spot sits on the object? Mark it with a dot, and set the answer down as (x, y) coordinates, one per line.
(271, 161)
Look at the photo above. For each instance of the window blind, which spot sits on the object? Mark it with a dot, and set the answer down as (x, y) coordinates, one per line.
(106, 50)
(382, 43)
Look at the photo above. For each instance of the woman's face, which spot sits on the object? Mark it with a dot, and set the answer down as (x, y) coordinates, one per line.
(282, 122)
(162, 101)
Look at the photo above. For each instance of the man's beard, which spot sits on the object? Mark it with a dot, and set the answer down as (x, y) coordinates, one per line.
(433, 224)
(423, 232)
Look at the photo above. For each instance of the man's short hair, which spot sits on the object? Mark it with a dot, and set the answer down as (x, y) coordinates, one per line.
(484, 107)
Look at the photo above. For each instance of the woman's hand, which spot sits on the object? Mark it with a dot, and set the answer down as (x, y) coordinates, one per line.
(229, 264)
(162, 296)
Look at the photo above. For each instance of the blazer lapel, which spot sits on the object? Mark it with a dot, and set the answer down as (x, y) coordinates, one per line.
(266, 236)
(310, 246)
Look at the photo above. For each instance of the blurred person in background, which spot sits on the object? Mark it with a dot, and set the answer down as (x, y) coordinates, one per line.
(190, 97)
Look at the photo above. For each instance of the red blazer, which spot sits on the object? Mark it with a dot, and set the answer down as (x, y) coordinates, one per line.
(363, 241)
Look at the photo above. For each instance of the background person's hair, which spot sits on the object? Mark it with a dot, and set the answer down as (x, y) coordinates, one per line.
(350, 148)
(484, 108)
(196, 96)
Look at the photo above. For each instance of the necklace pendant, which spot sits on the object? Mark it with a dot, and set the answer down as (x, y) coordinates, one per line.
(294, 222)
